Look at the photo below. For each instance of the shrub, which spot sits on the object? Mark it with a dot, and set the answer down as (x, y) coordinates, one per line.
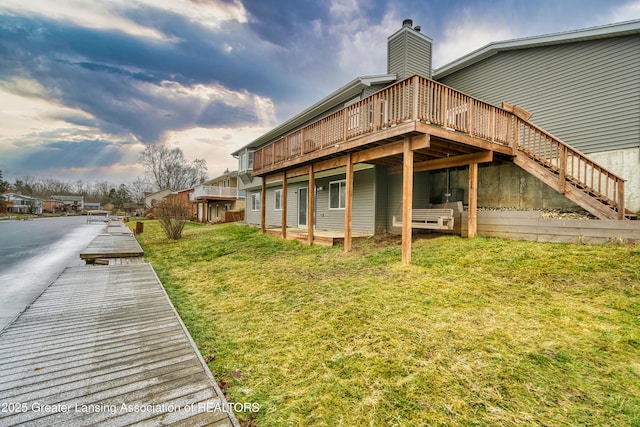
(173, 213)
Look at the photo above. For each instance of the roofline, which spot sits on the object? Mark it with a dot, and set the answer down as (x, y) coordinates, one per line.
(343, 94)
(228, 174)
(413, 30)
(11, 193)
(593, 33)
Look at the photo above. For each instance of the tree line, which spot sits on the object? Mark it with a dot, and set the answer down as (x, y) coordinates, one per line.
(164, 169)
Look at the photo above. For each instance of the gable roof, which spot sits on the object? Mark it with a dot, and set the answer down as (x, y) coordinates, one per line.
(340, 96)
(11, 195)
(66, 198)
(604, 31)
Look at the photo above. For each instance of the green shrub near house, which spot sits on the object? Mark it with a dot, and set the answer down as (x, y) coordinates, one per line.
(475, 332)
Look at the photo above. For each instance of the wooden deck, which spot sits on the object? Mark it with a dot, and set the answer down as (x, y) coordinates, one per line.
(103, 345)
(445, 128)
(116, 245)
(320, 237)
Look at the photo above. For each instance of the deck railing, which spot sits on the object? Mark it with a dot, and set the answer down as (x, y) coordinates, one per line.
(214, 191)
(570, 165)
(420, 99)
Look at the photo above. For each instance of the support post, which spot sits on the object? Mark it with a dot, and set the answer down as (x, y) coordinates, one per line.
(473, 200)
(311, 205)
(348, 209)
(263, 206)
(562, 175)
(283, 204)
(407, 200)
(621, 208)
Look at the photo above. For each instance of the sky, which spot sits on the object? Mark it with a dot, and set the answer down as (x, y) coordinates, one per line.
(85, 85)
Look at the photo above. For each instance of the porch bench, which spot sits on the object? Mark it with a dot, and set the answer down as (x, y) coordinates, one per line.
(433, 219)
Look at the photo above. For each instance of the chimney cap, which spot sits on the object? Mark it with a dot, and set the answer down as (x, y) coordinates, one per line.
(417, 28)
(407, 23)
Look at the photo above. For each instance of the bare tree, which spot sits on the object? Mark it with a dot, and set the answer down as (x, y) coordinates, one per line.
(173, 213)
(168, 169)
(139, 187)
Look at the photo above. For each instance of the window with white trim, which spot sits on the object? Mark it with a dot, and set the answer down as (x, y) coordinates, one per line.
(277, 204)
(255, 201)
(337, 194)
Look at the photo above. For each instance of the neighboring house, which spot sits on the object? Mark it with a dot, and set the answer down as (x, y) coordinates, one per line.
(70, 203)
(53, 206)
(383, 146)
(134, 208)
(92, 206)
(151, 199)
(219, 199)
(183, 197)
(19, 203)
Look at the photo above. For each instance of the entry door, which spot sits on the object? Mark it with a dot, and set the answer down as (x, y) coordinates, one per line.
(303, 193)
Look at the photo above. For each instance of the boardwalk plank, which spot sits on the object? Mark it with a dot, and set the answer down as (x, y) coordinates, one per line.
(112, 246)
(101, 337)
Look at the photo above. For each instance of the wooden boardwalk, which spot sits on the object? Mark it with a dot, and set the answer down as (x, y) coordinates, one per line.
(103, 345)
(105, 246)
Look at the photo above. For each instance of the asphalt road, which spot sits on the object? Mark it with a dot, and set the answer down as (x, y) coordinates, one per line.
(34, 253)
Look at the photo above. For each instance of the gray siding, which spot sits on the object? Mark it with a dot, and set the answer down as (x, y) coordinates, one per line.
(381, 200)
(585, 93)
(326, 219)
(273, 217)
(251, 217)
(363, 218)
(421, 196)
(409, 53)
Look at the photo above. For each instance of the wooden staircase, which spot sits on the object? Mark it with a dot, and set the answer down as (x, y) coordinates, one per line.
(571, 173)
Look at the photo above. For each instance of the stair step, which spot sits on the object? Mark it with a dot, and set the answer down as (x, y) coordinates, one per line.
(551, 178)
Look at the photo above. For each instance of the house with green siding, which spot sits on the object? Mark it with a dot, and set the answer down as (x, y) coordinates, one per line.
(536, 123)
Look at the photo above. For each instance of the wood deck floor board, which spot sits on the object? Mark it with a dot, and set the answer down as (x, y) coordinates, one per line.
(18, 371)
(198, 420)
(106, 393)
(105, 335)
(112, 246)
(166, 391)
(96, 360)
(154, 337)
(65, 381)
(86, 338)
(61, 327)
(125, 386)
(176, 398)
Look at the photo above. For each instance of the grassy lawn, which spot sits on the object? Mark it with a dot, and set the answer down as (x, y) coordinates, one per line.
(476, 332)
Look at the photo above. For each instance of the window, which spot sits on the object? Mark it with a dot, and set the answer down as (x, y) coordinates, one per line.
(337, 194)
(255, 201)
(278, 200)
(245, 161)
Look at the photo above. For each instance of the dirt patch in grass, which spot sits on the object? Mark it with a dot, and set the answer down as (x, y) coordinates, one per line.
(474, 332)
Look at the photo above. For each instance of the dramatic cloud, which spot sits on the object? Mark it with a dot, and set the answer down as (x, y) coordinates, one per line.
(85, 84)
